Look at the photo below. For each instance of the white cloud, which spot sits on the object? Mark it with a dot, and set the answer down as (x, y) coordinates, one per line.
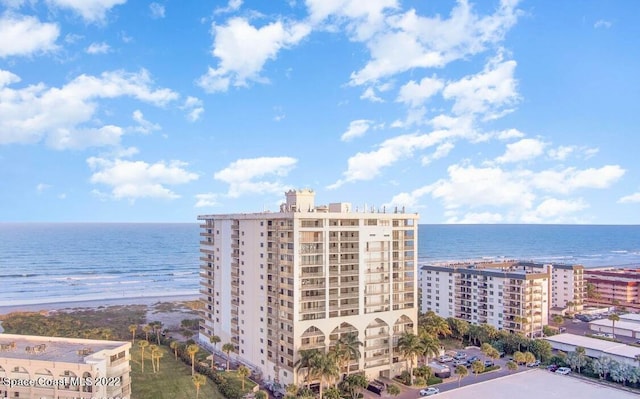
(25, 35)
(98, 48)
(601, 23)
(42, 187)
(233, 5)
(243, 49)
(357, 128)
(280, 115)
(571, 179)
(370, 94)
(157, 10)
(416, 94)
(562, 152)
(509, 134)
(206, 200)
(523, 150)
(138, 179)
(409, 200)
(554, 210)
(89, 10)
(367, 165)
(242, 175)
(65, 116)
(477, 218)
(144, 126)
(362, 18)
(630, 199)
(193, 107)
(442, 151)
(409, 41)
(486, 92)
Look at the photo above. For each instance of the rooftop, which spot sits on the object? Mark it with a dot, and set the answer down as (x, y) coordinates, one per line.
(68, 350)
(536, 384)
(613, 348)
(622, 324)
(630, 317)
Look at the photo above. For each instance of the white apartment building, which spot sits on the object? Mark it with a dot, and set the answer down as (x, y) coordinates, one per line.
(568, 287)
(276, 283)
(511, 296)
(63, 368)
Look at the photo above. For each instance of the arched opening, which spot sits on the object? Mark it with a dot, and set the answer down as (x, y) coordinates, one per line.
(376, 344)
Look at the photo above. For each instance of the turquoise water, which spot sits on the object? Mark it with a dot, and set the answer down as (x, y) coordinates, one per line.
(67, 261)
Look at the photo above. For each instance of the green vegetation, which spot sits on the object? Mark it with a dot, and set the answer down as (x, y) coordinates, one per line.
(172, 381)
(103, 323)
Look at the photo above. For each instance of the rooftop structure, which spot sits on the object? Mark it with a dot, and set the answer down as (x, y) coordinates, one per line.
(536, 384)
(595, 347)
(61, 367)
(302, 278)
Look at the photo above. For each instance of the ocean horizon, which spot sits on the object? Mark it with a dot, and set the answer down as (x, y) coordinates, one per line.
(68, 262)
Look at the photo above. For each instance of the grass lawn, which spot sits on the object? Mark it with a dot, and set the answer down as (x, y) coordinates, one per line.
(173, 381)
(234, 379)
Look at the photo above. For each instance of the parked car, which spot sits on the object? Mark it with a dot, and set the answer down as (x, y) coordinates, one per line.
(534, 364)
(460, 356)
(552, 368)
(429, 391)
(563, 370)
(488, 363)
(460, 362)
(445, 358)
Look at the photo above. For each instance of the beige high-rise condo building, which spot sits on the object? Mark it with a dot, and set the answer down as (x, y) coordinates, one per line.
(63, 368)
(274, 283)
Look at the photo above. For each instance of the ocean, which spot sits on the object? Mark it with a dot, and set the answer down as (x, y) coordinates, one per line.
(64, 262)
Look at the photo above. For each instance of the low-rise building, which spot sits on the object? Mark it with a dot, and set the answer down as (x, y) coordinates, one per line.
(617, 287)
(595, 348)
(63, 368)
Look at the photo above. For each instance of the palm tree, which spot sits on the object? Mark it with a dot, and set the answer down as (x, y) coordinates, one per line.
(558, 320)
(462, 372)
(353, 384)
(433, 324)
(191, 351)
(477, 367)
(133, 328)
(157, 327)
(430, 346)
(198, 380)
(159, 355)
(511, 365)
(570, 305)
(304, 361)
(409, 346)
(614, 318)
(142, 344)
(228, 348)
(174, 345)
(529, 357)
(581, 357)
(519, 358)
(153, 349)
(243, 372)
(347, 348)
(146, 330)
(214, 339)
(326, 367)
(261, 395)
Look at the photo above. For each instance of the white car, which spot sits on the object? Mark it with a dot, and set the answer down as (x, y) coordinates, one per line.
(429, 391)
(563, 370)
(459, 363)
(445, 358)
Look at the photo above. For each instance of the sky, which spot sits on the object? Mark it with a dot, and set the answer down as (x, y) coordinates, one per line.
(463, 111)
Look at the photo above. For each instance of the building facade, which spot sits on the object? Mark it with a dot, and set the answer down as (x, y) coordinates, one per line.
(568, 288)
(619, 287)
(275, 283)
(512, 296)
(63, 368)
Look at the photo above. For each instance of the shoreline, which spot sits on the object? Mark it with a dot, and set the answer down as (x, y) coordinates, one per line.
(95, 303)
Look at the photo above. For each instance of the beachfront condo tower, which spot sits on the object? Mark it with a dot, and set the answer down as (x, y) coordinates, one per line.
(275, 283)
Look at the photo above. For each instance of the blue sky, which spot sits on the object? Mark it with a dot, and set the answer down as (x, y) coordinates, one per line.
(466, 112)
